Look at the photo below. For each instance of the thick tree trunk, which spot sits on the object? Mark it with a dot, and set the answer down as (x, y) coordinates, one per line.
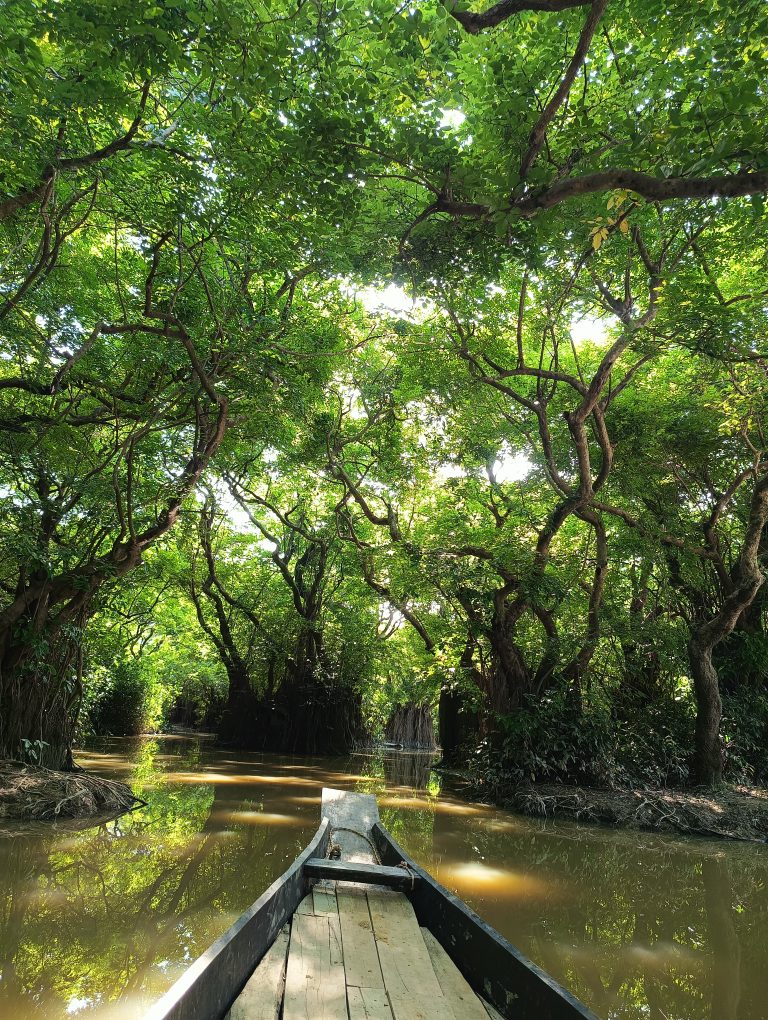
(707, 765)
(509, 680)
(311, 714)
(240, 722)
(36, 726)
(40, 693)
(458, 725)
(410, 725)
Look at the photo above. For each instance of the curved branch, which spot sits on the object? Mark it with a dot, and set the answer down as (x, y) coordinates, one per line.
(475, 23)
(653, 189)
(538, 134)
(389, 520)
(401, 605)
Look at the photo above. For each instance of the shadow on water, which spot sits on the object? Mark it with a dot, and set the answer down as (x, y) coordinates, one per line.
(99, 921)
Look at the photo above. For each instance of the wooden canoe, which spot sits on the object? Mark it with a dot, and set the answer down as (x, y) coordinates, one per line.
(372, 935)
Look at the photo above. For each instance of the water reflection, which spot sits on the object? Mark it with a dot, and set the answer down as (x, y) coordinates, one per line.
(99, 922)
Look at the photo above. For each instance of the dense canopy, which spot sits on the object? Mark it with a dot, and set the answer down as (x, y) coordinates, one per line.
(357, 355)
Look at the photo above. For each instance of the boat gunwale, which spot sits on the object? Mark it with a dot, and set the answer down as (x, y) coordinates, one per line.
(493, 966)
(213, 981)
(542, 994)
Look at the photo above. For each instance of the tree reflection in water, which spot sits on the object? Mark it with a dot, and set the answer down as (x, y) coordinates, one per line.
(101, 921)
(110, 916)
(635, 924)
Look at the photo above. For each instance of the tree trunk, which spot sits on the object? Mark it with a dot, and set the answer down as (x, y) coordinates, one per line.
(707, 765)
(40, 693)
(240, 722)
(410, 725)
(509, 679)
(458, 725)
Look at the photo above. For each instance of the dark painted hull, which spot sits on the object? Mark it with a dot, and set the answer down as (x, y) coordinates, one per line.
(494, 968)
(213, 982)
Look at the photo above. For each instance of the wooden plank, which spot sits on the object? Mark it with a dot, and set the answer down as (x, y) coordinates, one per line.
(352, 816)
(263, 994)
(348, 871)
(334, 942)
(324, 901)
(492, 965)
(421, 1007)
(454, 985)
(361, 960)
(314, 982)
(209, 986)
(307, 905)
(368, 1004)
(405, 963)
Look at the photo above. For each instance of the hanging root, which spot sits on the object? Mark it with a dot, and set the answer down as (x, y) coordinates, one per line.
(410, 726)
(33, 793)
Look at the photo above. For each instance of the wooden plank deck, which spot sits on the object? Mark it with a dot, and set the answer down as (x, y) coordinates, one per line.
(356, 951)
(357, 954)
(262, 997)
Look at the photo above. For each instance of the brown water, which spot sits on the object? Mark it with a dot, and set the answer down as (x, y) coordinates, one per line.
(99, 922)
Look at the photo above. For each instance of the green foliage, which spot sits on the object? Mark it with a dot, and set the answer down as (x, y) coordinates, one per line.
(232, 473)
(745, 731)
(551, 742)
(120, 704)
(554, 741)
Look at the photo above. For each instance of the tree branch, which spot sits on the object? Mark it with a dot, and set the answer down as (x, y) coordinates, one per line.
(536, 139)
(9, 206)
(653, 189)
(475, 23)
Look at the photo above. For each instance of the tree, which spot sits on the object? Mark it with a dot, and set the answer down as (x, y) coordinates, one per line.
(193, 202)
(149, 269)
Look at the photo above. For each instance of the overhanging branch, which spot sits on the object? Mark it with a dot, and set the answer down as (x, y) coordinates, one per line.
(475, 23)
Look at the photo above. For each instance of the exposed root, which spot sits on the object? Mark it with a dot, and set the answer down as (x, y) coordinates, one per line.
(33, 793)
(729, 814)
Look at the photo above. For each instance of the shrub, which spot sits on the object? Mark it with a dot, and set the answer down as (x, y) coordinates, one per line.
(119, 702)
(554, 740)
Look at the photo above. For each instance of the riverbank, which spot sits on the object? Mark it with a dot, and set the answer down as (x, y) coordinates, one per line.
(731, 812)
(30, 793)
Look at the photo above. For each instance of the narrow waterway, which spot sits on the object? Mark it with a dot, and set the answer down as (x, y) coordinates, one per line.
(99, 921)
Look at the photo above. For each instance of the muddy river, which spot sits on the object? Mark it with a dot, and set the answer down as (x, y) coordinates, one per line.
(99, 921)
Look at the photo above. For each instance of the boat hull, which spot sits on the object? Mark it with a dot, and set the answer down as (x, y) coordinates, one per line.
(208, 988)
(492, 966)
(494, 969)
